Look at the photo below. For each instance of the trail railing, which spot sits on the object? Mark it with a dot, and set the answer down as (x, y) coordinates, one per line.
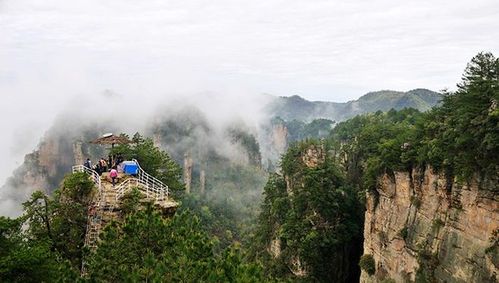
(95, 176)
(107, 200)
(149, 185)
(95, 216)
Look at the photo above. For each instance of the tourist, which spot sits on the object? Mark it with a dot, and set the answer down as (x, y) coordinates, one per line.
(120, 159)
(88, 163)
(103, 164)
(113, 174)
(98, 168)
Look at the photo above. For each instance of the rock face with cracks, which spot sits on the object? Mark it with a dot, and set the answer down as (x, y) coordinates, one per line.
(420, 225)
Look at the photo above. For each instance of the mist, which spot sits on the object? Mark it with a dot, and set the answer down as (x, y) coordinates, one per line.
(109, 111)
(95, 61)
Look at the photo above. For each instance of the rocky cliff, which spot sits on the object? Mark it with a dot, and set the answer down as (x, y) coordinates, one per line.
(43, 169)
(310, 226)
(421, 227)
(63, 146)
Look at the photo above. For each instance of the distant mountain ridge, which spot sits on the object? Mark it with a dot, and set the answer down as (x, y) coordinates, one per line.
(298, 108)
(189, 130)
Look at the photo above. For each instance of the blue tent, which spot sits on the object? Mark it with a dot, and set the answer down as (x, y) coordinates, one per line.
(130, 167)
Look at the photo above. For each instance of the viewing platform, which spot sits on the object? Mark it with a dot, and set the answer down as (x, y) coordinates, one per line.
(106, 204)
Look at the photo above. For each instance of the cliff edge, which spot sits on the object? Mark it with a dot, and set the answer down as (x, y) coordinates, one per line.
(421, 227)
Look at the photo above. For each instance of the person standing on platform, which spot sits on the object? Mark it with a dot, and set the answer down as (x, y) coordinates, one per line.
(98, 168)
(88, 163)
(103, 164)
(113, 174)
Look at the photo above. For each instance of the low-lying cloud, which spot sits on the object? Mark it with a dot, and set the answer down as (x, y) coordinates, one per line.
(60, 56)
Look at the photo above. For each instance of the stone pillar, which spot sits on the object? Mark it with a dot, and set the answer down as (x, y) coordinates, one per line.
(280, 138)
(202, 180)
(77, 153)
(157, 140)
(187, 172)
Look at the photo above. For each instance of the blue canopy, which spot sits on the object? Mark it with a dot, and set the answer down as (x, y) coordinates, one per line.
(130, 167)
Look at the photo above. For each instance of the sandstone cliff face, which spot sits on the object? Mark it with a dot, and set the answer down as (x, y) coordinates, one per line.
(62, 147)
(44, 168)
(312, 157)
(279, 138)
(420, 225)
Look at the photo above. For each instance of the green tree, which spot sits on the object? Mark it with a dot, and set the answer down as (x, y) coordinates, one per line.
(153, 160)
(147, 247)
(61, 221)
(23, 259)
(315, 216)
(462, 136)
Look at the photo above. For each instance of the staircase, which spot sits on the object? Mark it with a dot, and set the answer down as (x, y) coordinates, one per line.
(94, 222)
(151, 187)
(102, 211)
(105, 206)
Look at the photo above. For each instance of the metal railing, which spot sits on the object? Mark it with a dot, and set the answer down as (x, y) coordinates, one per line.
(144, 182)
(94, 221)
(95, 176)
(131, 183)
(152, 182)
(151, 186)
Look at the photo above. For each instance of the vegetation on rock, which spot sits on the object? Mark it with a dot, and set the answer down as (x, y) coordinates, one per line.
(314, 215)
(367, 264)
(310, 220)
(311, 208)
(153, 160)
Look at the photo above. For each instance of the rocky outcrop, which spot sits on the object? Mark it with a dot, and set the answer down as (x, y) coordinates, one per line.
(420, 225)
(78, 153)
(202, 181)
(41, 169)
(188, 163)
(63, 146)
(314, 156)
(279, 138)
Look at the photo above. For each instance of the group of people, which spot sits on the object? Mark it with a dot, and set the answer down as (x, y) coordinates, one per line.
(111, 165)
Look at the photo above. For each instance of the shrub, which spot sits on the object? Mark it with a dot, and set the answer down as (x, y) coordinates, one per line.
(415, 201)
(383, 237)
(404, 232)
(367, 264)
(437, 223)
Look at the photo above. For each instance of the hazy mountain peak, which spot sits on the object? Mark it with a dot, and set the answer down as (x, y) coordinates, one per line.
(296, 107)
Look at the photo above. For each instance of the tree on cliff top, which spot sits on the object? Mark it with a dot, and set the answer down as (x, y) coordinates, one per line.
(316, 217)
(459, 138)
(462, 136)
(45, 244)
(149, 248)
(153, 160)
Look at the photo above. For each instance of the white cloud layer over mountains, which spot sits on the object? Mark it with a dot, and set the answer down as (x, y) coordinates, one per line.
(54, 50)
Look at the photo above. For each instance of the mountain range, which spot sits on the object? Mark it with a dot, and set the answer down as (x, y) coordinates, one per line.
(183, 130)
(297, 108)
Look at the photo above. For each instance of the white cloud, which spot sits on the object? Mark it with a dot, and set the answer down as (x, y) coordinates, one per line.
(53, 50)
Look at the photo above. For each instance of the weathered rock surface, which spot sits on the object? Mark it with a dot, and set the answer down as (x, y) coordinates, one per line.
(419, 222)
(279, 139)
(312, 157)
(42, 169)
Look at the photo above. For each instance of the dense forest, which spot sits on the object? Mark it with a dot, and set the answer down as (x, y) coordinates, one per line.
(312, 217)
(309, 224)
(144, 246)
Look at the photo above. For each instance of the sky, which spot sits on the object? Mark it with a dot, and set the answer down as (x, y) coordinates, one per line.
(54, 51)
